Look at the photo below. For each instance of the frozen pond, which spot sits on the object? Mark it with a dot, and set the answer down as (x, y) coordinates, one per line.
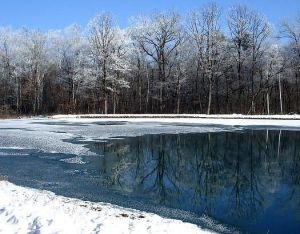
(245, 178)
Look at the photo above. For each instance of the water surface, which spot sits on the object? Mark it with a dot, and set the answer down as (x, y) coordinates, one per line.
(247, 180)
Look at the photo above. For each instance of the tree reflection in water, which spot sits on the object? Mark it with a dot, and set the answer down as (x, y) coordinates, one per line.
(250, 179)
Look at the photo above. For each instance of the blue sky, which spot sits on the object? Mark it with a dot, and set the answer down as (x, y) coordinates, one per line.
(54, 14)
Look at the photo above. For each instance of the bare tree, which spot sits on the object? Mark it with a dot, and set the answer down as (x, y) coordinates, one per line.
(259, 31)
(204, 27)
(239, 25)
(158, 65)
(8, 82)
(274, 66)
(35, 62)
(291, 31)
(158, 37)
(101, 36)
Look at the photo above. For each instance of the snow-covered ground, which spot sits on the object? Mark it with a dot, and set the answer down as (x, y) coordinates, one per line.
(25, 210)
(224, 116)
(228, 120)
(54, 135)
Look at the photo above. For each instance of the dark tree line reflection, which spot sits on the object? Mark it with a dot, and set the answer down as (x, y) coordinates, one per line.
(236, 177)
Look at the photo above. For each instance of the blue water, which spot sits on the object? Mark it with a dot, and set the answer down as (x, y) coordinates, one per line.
(247, 180)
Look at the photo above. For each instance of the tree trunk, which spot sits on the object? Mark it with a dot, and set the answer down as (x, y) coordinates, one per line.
(178, 95)
(268, 98)
(114, 102)
(73, 97)
(104, 88)
(209, 96)
(148, 88)
(252, 81)
(268, 102)
(280, 94)
(161, 97)
(105, 104)
(139, 86)
(18, 96)
(239, 70)
(140, 97)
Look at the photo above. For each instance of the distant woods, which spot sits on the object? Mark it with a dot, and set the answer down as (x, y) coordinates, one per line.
(163, 63)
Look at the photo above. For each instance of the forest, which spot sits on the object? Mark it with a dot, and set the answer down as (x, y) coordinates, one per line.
(208, 61)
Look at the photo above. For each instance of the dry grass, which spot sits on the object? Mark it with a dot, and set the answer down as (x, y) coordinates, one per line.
(9, 116)
(4, 115)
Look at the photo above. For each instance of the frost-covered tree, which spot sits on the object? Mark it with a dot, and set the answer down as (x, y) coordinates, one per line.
(120, 66)
(259, 32)
(181, 66)
(69, 49)
(102, 34)
(239, 20)
(34, 64)
(159, 36)
(9, 83)
(204, 29)
(272, 70)
(157, 65)
(290, 30)
(140, 82)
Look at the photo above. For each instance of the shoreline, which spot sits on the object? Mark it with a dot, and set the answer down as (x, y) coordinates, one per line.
(234, 120)
(25, 209)
(183, 116)
(292, 121)
(154, 116)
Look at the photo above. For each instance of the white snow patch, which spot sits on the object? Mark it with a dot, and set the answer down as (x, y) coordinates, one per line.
(51, 136)
(228, 120)
(176, 116)
(24, 210)
(58, 135)
(13, 148)
(75, 160)
(6, 154)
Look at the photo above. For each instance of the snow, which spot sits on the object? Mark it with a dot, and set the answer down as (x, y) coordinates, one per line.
(219, 116)
(75, 160)
(25, 210)
(57, 135)
(227, 120)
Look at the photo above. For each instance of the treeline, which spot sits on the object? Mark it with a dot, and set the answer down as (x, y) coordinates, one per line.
(164, 63)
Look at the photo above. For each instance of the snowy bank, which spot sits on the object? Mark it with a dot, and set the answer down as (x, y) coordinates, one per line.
(226, 120)
(25, 210)
(201, 116)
